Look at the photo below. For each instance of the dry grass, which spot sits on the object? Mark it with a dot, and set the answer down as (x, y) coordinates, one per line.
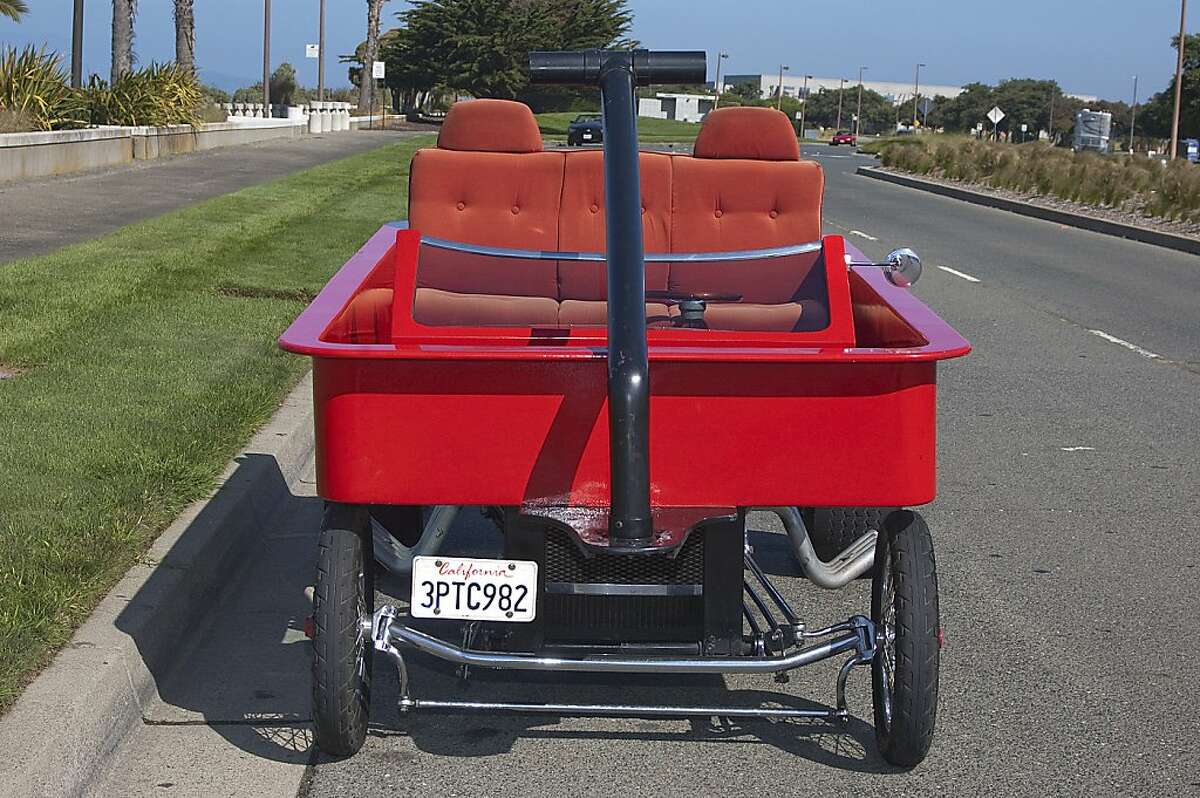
(1140, 185)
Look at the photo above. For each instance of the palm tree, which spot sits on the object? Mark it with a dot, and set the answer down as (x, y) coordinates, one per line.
(366, 82)
(13, 9)
(124, 12)
(185, 35)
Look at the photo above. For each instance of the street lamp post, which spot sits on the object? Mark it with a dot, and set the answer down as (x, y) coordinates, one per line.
(916, 94)
(858, 116)
(1133, 115)
(321, 55)
(1178, 79)
(77, 46)
(803, 105)
(841, 91)
(266, 57)
(779, 101)
(721, 56)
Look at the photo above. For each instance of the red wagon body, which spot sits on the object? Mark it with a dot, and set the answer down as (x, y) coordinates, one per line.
(512, 416)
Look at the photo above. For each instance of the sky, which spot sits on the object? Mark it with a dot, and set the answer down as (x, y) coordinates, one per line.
(1090, 48)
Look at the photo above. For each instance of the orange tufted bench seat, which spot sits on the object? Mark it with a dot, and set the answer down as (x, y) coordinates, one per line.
(489, 182)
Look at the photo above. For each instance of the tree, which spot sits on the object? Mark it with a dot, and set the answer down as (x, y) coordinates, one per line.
(1154, 118)
(283, 84)
(185, 35)
(366, 87)
(124, 12)
(13, 9)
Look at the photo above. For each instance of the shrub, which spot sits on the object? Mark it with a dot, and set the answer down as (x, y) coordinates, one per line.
(1139, 185)
(160, 94)
(34, 88)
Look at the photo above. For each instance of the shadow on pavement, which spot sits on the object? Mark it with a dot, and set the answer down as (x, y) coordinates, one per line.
(242, 667)
(245, 670)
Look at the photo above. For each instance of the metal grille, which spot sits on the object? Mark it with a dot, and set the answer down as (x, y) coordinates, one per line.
(566, 563)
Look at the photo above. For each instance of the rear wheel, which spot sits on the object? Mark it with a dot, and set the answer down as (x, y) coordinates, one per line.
(832, 529)
(904, 607)
(343, 597)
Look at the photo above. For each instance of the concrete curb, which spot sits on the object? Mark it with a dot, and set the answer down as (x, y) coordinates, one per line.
(69, 721)
(1119, 229)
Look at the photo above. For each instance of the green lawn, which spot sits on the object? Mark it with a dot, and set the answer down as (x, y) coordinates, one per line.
(145, 360)
(649, 130)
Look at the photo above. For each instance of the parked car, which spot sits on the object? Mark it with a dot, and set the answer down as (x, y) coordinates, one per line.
(585, 130)
(843, 137)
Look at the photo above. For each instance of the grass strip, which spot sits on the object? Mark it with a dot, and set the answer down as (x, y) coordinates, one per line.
(140, 363)
(649, 129)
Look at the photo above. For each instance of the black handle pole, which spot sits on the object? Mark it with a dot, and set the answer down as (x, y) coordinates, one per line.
(630, 522)
(617, 72)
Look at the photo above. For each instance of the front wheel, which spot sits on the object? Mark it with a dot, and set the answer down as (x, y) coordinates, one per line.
(344, 595)
(904, 607)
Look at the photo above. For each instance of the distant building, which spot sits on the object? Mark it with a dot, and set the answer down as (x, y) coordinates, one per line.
(680, 107)
(793, 86)
(896, 92)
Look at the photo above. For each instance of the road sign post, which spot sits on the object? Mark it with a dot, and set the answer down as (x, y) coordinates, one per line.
(996, 116)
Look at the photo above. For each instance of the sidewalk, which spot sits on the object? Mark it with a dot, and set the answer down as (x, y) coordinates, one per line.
(41, 216)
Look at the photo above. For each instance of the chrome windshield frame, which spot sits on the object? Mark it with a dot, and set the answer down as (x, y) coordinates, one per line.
(599, 257)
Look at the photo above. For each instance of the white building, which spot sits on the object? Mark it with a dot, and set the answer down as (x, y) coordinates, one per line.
(897, 92)
(793, 86)
(680, 107)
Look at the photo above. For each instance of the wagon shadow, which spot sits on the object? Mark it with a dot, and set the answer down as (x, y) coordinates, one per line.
(221, 627)
(848, 746)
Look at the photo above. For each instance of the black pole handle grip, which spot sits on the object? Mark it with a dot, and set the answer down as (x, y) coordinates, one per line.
(648, 66)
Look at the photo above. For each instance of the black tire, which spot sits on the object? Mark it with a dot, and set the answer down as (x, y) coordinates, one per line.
(908, 639)
(342, 650)
(832, 529)
(403, 522)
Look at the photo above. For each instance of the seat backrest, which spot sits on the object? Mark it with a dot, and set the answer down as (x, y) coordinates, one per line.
(745, 188)
(581, 224)
(489, 183)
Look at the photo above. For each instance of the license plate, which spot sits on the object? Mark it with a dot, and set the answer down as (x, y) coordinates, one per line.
(468, 589)
(587, 136)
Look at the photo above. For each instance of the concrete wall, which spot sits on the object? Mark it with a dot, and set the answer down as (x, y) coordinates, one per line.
(29, 155)
(25, 155)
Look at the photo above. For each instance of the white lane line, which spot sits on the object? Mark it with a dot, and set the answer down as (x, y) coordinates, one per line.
(861, 234)
(1078, 448)
(1121, 342)
(957, 273)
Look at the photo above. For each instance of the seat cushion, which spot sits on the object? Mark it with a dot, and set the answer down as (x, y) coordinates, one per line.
(448, 308)
(367, 319)
(577, 311)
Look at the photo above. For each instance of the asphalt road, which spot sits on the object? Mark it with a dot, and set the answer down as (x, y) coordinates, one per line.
(1066, 531)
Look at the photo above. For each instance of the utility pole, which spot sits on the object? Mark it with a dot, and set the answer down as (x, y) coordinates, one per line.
(266, 57)
(721, 56)
(841, 91)
(1053, 91)
(916, 94)
(77, 46)
(858, 116)
(1178, 79)
(779, 102)
(803, 105)
(1133, 115)
(321, 56)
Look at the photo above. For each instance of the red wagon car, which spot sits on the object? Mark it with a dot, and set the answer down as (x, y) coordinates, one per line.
(618, 355)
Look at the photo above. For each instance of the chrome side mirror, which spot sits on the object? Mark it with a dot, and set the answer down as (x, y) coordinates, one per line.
(903, 267)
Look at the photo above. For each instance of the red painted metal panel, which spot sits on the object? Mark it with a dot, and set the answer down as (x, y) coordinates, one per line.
(729, 434)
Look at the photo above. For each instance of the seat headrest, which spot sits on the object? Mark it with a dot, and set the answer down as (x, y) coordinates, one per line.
(490, 126)
(758, 134)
